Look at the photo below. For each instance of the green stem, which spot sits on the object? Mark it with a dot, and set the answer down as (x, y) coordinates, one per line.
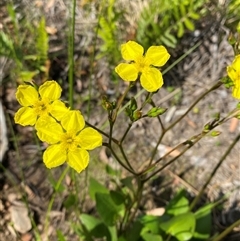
(125, 158)
(189, 144)
(214, 87)
(121, 100)
(118, 159)
(138, 198)
(227, 231)
(71, 53)
(217, 85)
(196, 199)
(64, 173)
(125, 133)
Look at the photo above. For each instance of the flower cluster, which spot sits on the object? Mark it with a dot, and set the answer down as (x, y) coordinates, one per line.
(142, 64)
(234, 74)
(63, 129)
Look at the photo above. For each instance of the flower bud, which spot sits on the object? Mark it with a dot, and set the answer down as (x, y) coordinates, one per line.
(156, 111)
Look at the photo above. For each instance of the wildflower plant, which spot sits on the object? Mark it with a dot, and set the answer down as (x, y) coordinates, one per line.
(69, 139)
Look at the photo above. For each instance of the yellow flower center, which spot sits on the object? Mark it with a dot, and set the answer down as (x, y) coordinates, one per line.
(42, 107)
(69, 141)
(141, 63)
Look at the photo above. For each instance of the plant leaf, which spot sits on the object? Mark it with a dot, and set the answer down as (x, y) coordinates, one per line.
(106, 208)
(94, 187)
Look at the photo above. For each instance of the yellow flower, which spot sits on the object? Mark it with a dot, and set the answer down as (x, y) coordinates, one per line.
(68, 141)
(150, 78)
(234, 74)
(39, 104)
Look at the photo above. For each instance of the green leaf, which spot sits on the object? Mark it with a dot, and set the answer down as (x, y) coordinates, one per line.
(106, 208)
(171, 37)
(127, 181)
(182, 10)
(151, 223)
(203, 221)
(167, 41)
(133, 233)
(180, 31)
(151, 237)
(189, 24)
(178, 205)
(182, 226)
(118, 197)
(60, 236)
(89, 222)
(156, 111)
(193, 15)
(112, 172)
(94, 187)
(113, 233)
(42, 42)
(93, 227)
(7, 48)
(27, 75)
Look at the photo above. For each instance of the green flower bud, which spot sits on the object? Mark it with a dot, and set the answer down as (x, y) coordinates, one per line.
(137, 114)
(206, 128)
(133, 104)
(156, 111)
(215, 133)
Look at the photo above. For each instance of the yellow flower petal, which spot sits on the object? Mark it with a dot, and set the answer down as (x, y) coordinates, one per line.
(25, 116)
(232, 73)
(73, 121)
(131, 50)
(89, 138)
(236, 91)
(127, 72)
(50, 90)
(157, 55)
(59, 109)
(54, 156)
(48, 130)
(78, 159)
(26, 95)
(236, 62)
(151, 80)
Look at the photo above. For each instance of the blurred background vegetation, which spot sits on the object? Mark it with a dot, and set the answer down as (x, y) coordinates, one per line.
(34, 42)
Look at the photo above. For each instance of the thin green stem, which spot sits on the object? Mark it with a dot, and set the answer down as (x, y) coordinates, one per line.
(196, 199)
(125, 133)
(226, 231)
(147, 100)
(71, 53)
(137, 201)
(92, 58)
(99, 130)
(182, 57)
(217, 85)
(120, 101)
(118, 159)
(189, 144)
(125, 158)
(214, 87)
(159, 139)
(64, 173)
